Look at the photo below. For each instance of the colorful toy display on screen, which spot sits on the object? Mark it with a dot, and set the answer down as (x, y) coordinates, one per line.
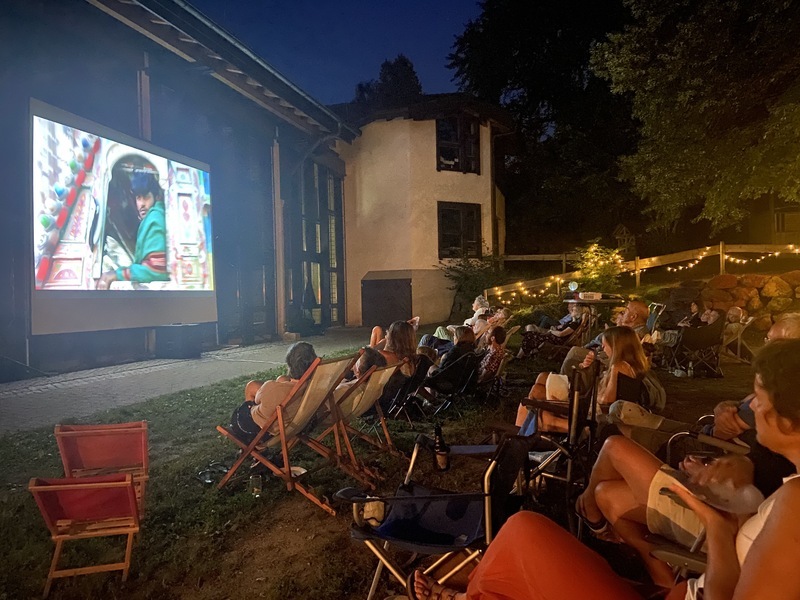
(108, 216)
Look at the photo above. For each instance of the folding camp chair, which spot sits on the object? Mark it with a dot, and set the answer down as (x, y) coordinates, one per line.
(456, 527)
(699, 347)
(89, 450)
(569, 458)
(292, 415)
(578, 337)
(455, 382)
(357, 400)
(492, 388)
(87, 507)
(405, 401)
(656, 310)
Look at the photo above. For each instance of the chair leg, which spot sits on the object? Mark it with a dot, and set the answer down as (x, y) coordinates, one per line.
(53, 568)
(128, 549)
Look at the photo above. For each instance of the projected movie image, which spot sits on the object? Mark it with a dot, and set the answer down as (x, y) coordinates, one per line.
(108, 216)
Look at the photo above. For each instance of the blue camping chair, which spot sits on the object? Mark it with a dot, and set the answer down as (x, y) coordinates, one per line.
(428, 521)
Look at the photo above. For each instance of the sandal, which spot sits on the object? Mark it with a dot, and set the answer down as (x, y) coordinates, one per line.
(602, 529)
(436, 591)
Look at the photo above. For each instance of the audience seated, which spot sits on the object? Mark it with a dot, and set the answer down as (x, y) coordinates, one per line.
(377, 338)
(481, 306)
(437, 380)
(400, 346)
(622, 379)
(262, 398)
(493, 356)
(534, 337)
(694, 318)
(533, 559)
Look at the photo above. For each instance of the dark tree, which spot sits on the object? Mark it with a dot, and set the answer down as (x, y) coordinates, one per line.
(716, 86)
(396, 85)
(534, 59)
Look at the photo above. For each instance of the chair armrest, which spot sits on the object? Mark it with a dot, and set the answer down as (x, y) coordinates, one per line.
(680, 557)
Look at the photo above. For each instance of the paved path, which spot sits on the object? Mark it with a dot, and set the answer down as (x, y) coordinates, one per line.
(45, 401)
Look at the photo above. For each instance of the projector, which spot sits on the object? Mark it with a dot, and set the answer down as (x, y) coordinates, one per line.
(590, 296)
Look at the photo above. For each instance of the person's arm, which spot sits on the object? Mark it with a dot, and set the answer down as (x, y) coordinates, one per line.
(722, 570)
(608, 393)
(727, 423)
(562, 332)
(770, 570)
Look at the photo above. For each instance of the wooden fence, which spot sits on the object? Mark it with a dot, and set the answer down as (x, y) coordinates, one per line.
(635, 266)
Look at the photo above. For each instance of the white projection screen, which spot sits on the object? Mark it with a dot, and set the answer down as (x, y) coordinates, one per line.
(121, 230)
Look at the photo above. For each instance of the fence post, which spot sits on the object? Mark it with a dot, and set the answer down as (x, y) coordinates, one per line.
(638, 272)
(564, 263)
(722, 258)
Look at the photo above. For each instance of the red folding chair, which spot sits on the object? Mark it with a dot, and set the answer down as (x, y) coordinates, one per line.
(88, 450)
(88, 507)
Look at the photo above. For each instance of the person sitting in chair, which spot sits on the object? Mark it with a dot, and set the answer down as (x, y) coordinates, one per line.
(491, 360)
(262, 398)
(445, 382)
(751, 557)
(534, 337)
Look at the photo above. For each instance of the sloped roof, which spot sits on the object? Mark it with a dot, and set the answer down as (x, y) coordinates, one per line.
(184, 30)
(429, 106)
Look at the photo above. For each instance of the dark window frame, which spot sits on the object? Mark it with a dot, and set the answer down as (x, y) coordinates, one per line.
(459, 230)
(465, 149)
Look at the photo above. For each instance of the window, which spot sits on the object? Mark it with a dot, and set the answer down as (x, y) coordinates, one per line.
(458, 143)
(459, 230)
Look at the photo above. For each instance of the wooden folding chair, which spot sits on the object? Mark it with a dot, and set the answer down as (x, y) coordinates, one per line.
(89, 450)
(292, 415)
(83, 508)
(509, 333)
(359, 399)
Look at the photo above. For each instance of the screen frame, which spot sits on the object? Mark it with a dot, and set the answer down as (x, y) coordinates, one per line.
(99, 310)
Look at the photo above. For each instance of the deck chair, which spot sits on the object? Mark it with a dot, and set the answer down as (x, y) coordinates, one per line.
(354, 403)
(455, 527)
(699, 346)
(87, 507)
(89, 450)
(292, 415)
(509, 333)
(736, 347)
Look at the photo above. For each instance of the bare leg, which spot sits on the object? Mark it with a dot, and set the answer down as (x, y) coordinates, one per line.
(628, 518)
(620, 459)
(425, 587)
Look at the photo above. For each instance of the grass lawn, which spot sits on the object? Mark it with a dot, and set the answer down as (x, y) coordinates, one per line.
(199, 542)
(195, 541)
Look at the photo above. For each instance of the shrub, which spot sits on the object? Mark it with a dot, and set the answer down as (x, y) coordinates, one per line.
(600, 267)
(469, 277)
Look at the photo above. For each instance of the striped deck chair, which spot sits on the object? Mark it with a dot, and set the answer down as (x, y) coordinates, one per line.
(357, 401)
(292, 416)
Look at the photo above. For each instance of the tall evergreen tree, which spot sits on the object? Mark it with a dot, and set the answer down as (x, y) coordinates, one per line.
(396, 85)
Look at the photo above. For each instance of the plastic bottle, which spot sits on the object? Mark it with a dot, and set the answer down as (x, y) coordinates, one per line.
(256, 485)
(690, 371)
(440, 449)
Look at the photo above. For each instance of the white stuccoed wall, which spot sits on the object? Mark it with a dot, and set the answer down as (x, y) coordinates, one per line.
(391, 190)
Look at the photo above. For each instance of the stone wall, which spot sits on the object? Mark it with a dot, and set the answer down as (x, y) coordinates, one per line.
(763, 296)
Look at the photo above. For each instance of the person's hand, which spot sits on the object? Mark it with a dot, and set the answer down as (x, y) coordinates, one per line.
(105, 280)
(727, 422)
(588, 360)
(715, 521)
(738, 470)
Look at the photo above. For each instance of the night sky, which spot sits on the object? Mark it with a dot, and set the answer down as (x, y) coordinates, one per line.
(327, 47)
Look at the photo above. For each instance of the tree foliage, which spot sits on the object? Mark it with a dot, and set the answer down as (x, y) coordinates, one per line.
(397, 85)
(715, 86)
(533, 58)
